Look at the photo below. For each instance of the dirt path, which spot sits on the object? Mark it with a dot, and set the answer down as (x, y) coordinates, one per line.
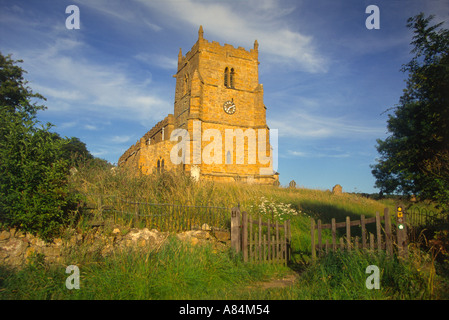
(286, 281)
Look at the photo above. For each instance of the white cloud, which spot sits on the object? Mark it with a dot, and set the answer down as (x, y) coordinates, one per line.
(66, 125)
(116, 10)
(100, 153)
(239, 23)
(299, 154)
(310, 154)
(158, 60)
(70, 77)
(301, 125)
(120, 139)
(152, 26)
(57, 93)
(90, 127)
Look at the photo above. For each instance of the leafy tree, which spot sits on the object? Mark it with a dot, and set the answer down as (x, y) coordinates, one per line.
(34, 194)
(414, 159)
(15, 95)
(75, 150)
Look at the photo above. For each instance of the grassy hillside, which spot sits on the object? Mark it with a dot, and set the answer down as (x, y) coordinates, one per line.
(100, 185)
(97, 185)
(178, 270)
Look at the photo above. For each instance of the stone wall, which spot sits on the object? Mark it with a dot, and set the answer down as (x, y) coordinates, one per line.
(159, 133)
(16, 247)
(150, 155)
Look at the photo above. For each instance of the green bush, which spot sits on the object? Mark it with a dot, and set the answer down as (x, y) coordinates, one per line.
(33, 184)
(33, 181)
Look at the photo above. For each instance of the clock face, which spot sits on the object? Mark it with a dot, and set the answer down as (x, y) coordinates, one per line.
(229, 107)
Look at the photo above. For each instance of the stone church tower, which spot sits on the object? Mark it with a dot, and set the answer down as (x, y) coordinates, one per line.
(220, 111)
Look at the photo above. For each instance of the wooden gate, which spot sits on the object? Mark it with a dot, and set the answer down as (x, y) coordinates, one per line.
(380, 240)
(260, 241)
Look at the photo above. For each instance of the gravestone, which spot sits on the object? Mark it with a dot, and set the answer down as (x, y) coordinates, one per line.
(337, 189)
(195, 172)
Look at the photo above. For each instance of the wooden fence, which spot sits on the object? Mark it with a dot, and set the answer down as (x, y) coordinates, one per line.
(382, 240)
(260, 241)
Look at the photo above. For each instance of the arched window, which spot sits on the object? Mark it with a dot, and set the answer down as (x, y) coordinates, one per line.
(232, 78)
(158, 166)
(162, 165)
(226, 77)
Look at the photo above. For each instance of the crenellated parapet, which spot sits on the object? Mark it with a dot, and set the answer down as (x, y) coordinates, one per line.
(216, 48)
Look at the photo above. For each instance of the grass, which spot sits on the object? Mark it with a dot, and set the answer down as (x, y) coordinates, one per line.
(99, 185)
(343, 276)
(178, 270)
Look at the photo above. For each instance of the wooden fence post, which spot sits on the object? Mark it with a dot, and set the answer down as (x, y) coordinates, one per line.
(402, 233)
(378, 229)
(245, 236)
(277, 242)
(362, 222)
(388, 235)
(251, 240)
(285, 243)
(269, 240)
(312, 233)
(405, 243)
(254, 239)
(320, 245)
(348, 233)
(334, 235)
(235, 229)
(265, 257)
(289, 241)
(260, 239)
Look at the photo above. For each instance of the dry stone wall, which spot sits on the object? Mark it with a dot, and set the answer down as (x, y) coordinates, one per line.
(17, 248)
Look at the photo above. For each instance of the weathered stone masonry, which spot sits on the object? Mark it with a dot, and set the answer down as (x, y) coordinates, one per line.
(210, 77)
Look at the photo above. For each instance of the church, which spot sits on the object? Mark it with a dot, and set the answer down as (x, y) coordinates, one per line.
(218, 129)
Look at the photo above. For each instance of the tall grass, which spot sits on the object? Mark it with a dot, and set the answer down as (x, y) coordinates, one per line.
(98, 185)
(177, 270)
(342, 275)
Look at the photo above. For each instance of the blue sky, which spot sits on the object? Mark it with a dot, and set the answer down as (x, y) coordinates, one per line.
(327, 78)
